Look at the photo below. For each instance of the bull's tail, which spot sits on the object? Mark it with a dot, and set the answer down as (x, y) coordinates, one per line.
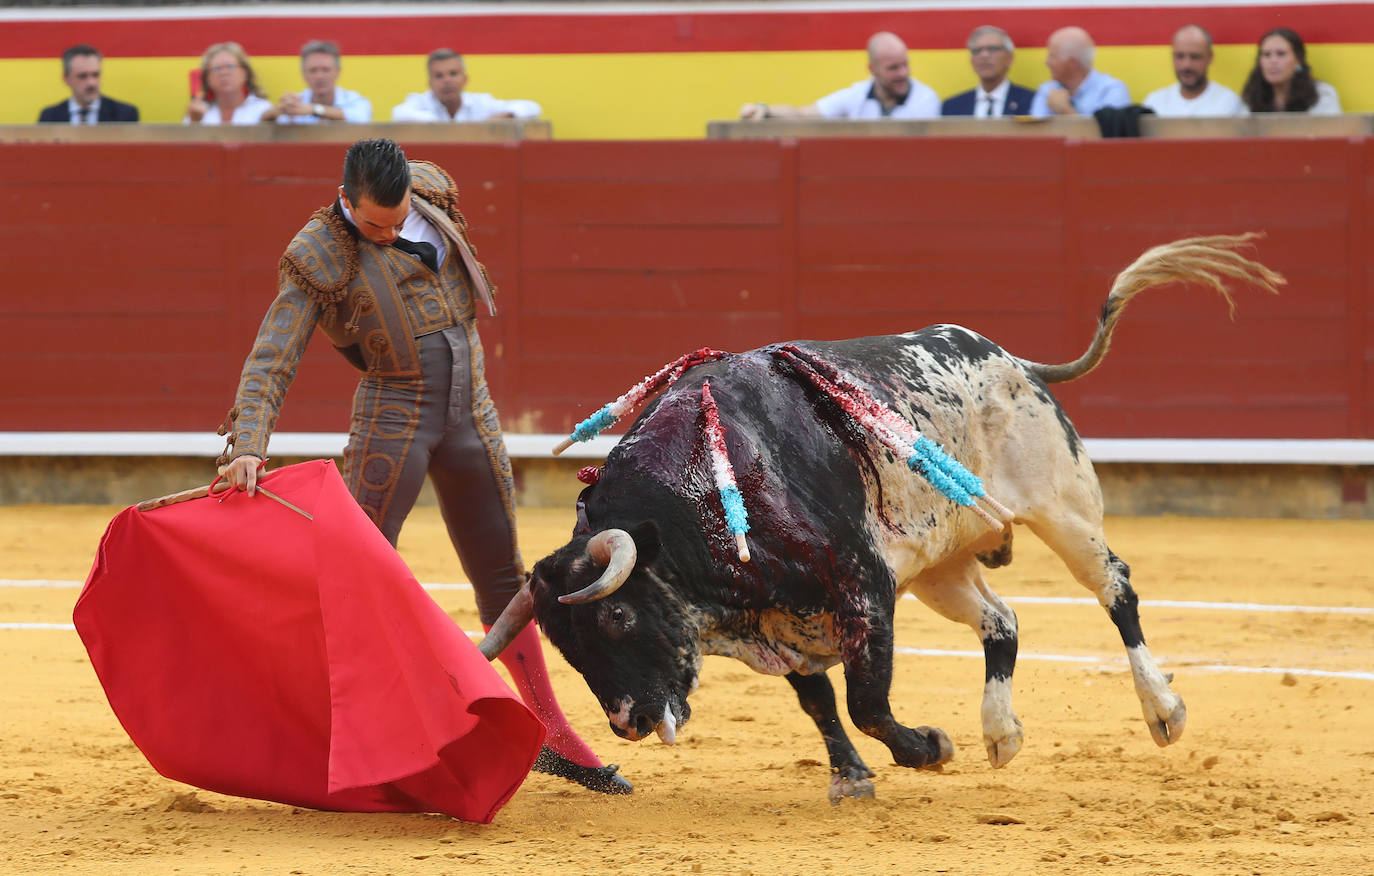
(1205, 260)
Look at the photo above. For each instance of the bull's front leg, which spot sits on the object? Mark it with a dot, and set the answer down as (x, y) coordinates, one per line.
(868, 680)
(849, 776)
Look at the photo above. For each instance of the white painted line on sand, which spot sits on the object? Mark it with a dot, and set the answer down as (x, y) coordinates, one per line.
(38, 582)
(1101, 663)
(1014, 600)
(1208, 606)
(1120, 665)
(72, 583)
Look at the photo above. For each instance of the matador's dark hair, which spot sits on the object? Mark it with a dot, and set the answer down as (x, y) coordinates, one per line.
(378, 170)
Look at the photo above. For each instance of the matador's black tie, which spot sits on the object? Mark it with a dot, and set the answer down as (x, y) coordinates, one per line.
(425, 252)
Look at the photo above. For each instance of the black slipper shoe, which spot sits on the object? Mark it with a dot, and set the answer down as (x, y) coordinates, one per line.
(602, 779)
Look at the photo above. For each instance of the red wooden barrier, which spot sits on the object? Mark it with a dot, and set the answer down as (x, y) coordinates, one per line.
(137, 274)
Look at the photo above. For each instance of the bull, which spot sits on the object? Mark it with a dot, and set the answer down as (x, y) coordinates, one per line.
(840, 528)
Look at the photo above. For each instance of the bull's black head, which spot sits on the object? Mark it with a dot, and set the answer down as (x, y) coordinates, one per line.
(634, 642)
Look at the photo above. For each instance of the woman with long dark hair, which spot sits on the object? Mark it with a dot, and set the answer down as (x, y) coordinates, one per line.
(1282, 80)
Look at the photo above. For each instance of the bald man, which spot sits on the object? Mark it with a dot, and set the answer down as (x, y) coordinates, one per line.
(1076, 88)
(889, 92)
(1194, 94)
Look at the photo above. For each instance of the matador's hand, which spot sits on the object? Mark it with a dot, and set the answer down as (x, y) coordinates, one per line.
(242, 472)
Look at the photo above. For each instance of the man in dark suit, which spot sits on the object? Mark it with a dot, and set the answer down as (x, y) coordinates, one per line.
(86, 106)
(990, 52)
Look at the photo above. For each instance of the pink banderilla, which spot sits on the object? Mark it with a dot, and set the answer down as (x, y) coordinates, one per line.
(636, 395)
(895, 433)
(736, 519)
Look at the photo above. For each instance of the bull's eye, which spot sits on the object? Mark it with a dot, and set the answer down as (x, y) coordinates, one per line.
(616, 619)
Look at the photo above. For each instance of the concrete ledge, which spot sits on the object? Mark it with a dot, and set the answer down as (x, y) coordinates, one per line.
(1263, 125)
(209, 445)
(489, 131)
(1272, 451)
(1204, 489)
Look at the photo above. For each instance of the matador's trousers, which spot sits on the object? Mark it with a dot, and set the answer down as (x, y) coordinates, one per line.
(443, 424)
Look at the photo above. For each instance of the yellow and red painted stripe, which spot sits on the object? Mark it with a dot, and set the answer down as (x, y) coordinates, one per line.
(651, 70)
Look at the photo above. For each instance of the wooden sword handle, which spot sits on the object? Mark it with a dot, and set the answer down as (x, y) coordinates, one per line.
(174, 498)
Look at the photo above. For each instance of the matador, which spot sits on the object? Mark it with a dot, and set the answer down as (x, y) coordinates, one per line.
(388, 274)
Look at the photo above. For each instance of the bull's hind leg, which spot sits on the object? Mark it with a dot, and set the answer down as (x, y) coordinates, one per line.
(849, 777)
(1083, 548)
(957, 590)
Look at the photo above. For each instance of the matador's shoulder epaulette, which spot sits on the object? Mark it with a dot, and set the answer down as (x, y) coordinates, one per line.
(322, 259)
(432, 182)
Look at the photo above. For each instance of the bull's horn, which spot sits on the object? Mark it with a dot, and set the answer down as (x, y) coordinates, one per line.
(614, 549)
(515, 617)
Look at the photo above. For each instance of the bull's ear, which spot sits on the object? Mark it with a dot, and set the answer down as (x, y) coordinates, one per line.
(647, 542)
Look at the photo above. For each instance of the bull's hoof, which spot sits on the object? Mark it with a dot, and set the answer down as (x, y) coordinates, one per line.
(1001, 751)
(843, 786)
(943, 745)
(604, 780)
(1166, 729)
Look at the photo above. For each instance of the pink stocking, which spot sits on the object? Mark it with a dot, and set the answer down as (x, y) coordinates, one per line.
(524, 660)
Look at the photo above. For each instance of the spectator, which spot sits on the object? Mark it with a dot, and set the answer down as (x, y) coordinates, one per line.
(889, 93)
(1282, 82)
(86, 106)
(1076, 88)
(1194, 94)
(230, 94)
(447, 102)
(324, 100)
(990, 52)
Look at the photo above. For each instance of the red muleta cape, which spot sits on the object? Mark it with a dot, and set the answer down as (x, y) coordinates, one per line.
(251, 651)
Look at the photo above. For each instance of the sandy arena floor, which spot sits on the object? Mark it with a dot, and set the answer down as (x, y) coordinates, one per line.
(1275, 774)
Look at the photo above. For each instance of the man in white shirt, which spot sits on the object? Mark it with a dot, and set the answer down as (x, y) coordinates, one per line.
(323, 100)
(446, 101)
(889, 92)
(1194, 94)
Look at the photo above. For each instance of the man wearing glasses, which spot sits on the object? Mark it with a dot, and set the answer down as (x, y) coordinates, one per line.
(990, 52)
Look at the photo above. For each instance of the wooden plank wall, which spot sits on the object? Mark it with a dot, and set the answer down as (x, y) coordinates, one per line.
(136, 274)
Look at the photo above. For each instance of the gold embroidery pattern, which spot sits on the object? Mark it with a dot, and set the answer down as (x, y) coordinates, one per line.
(489, 430)
(459, 293)
(432, 182)
(316, 253)
(379, 439)
(267, 374)
(389, 305)
(433, 302)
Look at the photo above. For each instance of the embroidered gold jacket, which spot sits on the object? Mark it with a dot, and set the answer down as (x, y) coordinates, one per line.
(371, 301)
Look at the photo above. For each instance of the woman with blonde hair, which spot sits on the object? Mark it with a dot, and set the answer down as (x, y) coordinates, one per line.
(230, 94)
